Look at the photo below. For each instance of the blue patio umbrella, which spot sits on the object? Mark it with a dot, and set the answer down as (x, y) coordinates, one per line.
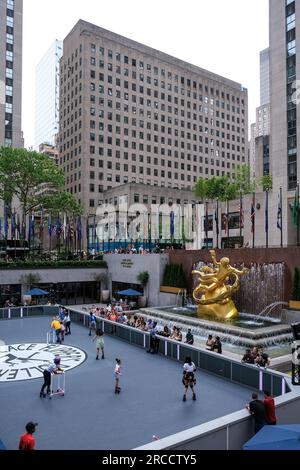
(36, 292)
(278, 437)
(129, 293)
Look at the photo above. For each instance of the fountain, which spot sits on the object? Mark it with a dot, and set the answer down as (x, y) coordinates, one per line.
(259, 300)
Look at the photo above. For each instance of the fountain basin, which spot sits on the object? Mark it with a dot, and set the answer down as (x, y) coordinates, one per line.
(250, 334)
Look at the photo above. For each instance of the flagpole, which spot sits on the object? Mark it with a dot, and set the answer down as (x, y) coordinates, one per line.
(298, 224)
(253, 220)
(217, 222)
(241, 209)
(206, 224)
(266, 218)
(281, 217)
(227, 209)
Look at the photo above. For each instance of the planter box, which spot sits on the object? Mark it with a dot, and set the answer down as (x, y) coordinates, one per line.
(171, 290)
(294, 304)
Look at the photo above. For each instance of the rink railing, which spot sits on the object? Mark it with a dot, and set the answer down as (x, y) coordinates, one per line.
(254, 377)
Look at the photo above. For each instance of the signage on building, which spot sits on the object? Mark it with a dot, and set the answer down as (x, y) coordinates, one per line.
(126, 263)
(26, 361)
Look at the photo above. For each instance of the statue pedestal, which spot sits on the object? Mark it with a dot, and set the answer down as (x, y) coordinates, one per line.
(223, 312)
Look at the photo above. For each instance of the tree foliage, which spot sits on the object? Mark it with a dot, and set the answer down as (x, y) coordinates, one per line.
(143, 278)
(223, 188)
(61, 202)
(23, 173)
(242, 180)
(266, 182)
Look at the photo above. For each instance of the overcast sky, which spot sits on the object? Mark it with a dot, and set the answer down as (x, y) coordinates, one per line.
(223, 36)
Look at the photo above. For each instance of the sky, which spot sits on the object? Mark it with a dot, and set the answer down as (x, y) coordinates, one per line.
(222, 36)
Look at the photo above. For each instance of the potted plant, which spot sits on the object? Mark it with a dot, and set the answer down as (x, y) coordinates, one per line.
(143, 278)
(174, 280)
(295, 302)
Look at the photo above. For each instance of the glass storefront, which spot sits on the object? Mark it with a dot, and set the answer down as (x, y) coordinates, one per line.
(73, 293)
(11, 292)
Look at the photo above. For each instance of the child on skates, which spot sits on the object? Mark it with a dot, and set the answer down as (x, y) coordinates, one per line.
(118, 373)
(188, 378)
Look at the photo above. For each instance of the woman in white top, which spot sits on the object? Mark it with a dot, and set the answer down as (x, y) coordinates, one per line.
(188, 378)
(118, 373)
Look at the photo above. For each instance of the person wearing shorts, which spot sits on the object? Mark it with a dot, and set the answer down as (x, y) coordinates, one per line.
(99, 343)
(188, 378)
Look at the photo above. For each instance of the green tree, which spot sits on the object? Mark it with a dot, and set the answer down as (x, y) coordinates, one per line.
(22, 174)
(242, 180)
(143, 278)
(61, 202)
(296, 285)
(266, 182)
(201, 189)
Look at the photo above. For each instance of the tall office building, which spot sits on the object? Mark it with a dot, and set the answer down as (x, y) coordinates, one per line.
(129, 113)
(11, 22)
(284, 95)
(284, 70)
(47, 96)
(264, 77)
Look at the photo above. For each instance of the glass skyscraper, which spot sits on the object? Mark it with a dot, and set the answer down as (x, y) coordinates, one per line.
(47, 95)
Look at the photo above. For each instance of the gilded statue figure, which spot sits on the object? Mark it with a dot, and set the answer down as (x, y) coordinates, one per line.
(214, 291)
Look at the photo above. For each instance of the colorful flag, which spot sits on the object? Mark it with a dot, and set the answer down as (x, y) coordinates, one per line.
(23, 231)
(225, 222)
(279, 213)
(241, 213)
(18, 226)
(217, 219)
(79, 228)
(0, 228)
(58, 227)
(42, 224)
(267, 212)
(13, 226)
(172, 225)
(253, 216)
(6, 226)
(31, 227)
(50, 226)
(296, 208)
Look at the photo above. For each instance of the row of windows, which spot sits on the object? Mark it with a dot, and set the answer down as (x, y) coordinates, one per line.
(152, 115)
(141, 135)
(140, 64)
(291, 106)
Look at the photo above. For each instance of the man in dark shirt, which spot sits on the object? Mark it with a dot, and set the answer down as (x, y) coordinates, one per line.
(269, 408)
(248, 357)
(257, 409)
(189, 339)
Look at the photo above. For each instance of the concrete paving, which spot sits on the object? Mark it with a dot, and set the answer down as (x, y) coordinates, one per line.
(90, 415)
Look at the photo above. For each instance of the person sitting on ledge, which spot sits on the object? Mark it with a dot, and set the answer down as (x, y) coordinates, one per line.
(210, 343)
(248, 357)
(189, 339)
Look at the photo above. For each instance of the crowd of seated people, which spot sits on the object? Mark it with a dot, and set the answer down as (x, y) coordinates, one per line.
(256, 356)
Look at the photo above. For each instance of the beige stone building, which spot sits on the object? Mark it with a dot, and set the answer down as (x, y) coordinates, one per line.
(11, 18)
(284, 93)
(129, 113)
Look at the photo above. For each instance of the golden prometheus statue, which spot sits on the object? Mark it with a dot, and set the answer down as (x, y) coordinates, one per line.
(213, 293)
